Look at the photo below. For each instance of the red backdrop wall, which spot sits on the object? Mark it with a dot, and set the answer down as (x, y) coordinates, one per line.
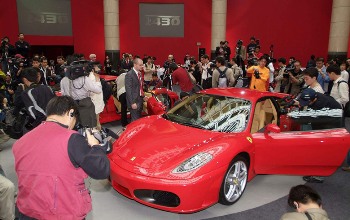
(295, 28)
(87, 25)
(197, 29)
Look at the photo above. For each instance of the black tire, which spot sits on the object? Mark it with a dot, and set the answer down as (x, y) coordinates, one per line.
(237, 185)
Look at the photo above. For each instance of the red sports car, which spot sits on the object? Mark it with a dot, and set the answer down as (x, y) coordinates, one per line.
(205, 149)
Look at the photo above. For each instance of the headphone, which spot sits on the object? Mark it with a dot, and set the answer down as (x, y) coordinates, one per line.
(296, 205)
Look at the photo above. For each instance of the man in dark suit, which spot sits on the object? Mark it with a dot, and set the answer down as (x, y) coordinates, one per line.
(134, 90)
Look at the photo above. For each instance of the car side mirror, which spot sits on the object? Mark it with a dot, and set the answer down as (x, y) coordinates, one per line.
(272, 128)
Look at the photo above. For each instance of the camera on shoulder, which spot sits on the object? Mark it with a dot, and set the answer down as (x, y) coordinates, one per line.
(78, 69)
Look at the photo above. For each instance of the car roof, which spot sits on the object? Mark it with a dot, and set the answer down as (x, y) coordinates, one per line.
(244, 93)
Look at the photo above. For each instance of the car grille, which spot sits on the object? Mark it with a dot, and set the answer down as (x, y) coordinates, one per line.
(158, 197)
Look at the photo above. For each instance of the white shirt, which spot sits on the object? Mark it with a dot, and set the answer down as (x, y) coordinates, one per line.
(205, 68)
(318, 88)
(272, 70)
(345, 75)
(340, 92)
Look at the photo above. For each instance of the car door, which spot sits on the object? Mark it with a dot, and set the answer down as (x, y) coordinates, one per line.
(310, 151)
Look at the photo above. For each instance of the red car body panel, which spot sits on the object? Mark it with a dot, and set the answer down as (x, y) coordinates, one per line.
(146, 154)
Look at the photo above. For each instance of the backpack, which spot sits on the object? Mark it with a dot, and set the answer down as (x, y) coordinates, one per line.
(222, 78)
(346, 107)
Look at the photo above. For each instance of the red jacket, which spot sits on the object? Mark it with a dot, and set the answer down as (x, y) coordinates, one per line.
(49, 186)
(180, 76)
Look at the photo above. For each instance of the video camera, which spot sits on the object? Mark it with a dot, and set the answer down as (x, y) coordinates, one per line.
(78, 69)
(105, 137)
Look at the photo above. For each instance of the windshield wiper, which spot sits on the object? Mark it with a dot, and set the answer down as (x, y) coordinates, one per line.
(193, 125)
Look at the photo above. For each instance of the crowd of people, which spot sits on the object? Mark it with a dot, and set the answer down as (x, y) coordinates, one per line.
(28, 87)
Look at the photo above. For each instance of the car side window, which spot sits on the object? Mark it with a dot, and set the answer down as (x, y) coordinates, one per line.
(265, 113)
(294, 119)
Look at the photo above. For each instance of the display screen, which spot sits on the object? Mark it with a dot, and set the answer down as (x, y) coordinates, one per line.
(45, 17)
(161, 20)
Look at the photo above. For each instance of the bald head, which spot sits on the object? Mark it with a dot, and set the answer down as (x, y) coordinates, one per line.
(138, 64)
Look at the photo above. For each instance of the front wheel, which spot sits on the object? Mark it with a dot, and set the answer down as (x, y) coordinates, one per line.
(234, 182)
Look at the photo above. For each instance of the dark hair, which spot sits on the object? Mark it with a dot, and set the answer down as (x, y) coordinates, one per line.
(205, 56)
(312, 57)
(312, 72)
(303, 194)
(234, 59)
(193, 62)
(252, 38)
(282, 60)
(31, 74)
(43, 58)
(36, 59)
(293, 58)
(320, 59)
(20, 34)
(258, 46)
(60, 57)
(264, 57)
(173, 66)
(333, 68)
(155, 74)
(60, 105)
(220, 60)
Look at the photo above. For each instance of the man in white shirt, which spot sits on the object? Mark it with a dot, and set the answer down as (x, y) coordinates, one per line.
(344, 74)
(206, 75)
(340, 89)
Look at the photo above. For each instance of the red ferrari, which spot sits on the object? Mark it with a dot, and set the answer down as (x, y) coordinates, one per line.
(205, 149)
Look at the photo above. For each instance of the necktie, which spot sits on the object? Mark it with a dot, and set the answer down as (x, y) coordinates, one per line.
(142, 93)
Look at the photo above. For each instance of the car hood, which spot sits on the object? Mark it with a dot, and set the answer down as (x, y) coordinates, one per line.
(155, 141)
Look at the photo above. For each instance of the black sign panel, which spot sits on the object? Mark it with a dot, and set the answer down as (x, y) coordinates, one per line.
(45, 17)
(161, 20)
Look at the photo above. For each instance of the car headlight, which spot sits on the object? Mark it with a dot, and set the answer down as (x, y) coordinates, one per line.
(194, 162)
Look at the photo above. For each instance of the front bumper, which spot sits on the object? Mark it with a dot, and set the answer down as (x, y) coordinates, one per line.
(174, 195)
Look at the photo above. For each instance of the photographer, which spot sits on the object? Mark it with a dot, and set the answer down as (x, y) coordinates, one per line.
(55, 159)
(222, 75)
(307, 204)
(259, 75)
(279, 79)
(7, 50)
(296, 79)
(36, 96)
(240, 55)
(206, 78)
(78, 85)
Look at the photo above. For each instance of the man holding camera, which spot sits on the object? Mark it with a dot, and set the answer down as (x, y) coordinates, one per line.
(79, 86)
(296, 79)
(260, 74)
(52, 162)
(7, 50)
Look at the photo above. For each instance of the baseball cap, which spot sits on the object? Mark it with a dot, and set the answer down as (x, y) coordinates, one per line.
(306, 96)
(19, 56)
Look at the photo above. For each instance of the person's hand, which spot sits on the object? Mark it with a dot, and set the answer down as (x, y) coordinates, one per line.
(134, 106)
(10, 91)
(91, 139)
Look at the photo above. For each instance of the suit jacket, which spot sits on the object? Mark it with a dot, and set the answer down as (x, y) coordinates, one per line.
(132, 89)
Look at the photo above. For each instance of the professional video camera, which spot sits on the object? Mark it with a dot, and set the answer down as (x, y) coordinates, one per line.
(105, 137)
(78, 69)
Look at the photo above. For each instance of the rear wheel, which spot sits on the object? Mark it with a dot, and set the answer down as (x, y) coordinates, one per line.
(234, 182)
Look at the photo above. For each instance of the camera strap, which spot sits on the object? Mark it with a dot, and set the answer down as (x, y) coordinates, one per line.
(308, 216)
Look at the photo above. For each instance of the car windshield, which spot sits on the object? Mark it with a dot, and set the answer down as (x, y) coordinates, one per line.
(212, 112)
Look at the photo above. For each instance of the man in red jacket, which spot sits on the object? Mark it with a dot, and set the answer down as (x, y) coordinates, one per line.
(180, 77)
(52, 162)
